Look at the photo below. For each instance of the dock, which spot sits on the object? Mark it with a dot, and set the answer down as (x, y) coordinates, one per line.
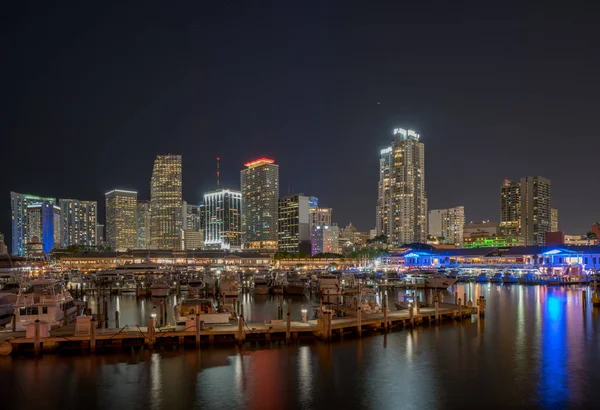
(325, 328)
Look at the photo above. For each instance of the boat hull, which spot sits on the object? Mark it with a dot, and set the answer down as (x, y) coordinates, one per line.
(294, 290)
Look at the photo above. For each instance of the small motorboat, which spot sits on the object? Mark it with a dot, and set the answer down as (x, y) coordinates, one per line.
(509, 278)
(497, 278)
(482, 278)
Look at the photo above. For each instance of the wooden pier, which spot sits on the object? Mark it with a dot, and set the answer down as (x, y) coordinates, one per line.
(326, 328)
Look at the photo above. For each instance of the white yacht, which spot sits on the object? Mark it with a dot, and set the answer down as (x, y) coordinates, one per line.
(262, 285)
(228, 286)
(188, 308)
(329, 285)
(46, 300)
(195, 287)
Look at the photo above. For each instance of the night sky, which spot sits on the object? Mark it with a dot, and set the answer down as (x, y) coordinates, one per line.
(90, 94)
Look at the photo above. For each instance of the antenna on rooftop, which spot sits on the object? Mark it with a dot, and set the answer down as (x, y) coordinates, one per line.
(218, 174)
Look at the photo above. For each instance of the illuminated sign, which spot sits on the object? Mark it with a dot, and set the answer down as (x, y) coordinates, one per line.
(386, 151)
(258, 162)
(411, 133)
(401, 131)
(405, 133)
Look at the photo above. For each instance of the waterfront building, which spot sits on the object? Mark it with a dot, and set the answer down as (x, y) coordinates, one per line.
(121, 219)
(402, 199)
(18, 205)
(481, 240)
(191, 239)
(143, 225)
(325, 239)
(553, 220)
(484, 227)
(294, 225)
(223, 221)
(100, 238)
(192, 216)
(3, 248)
(319, 216)
(78, 222)
(447, 225)
(43, 223)
(166, 219)
(260, 201)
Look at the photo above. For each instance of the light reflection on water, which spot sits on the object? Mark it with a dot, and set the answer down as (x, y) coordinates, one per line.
(536, 347)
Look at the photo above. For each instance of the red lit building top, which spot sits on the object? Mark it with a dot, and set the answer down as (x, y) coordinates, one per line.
(259, 162)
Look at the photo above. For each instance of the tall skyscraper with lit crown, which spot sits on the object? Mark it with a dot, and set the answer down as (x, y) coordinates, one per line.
(166, 219)
(402, 199)
(260, 202)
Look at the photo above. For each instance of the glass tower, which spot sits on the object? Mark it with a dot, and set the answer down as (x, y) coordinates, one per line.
(166, 219)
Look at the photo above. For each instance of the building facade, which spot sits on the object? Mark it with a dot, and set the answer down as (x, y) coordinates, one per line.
(536, 198)
(260, 202)
(554, 220)
(18, 205)
(121, 220)
(510, 209)
(294, 224)
(192, 240)
(320, 216)
(100, 237)
(78, 222)
(143, 225)
(447, 225)
(43, 223)
(325, 239)
(166, 219)
(223, 219)
(3, 248)
(192, 216)
(402, 199)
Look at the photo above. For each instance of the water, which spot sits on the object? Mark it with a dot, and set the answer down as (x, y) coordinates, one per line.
(536, 348)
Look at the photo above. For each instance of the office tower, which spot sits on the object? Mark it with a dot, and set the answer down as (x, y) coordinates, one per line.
(43, 223)
(447, 225)
(260, 201)
(525, 210)
(143, 225)
(536, 198)
(100, 238)
(121, 220)
(383, 222)
(223, 221)
(294, 225)
(18, 205)
(325, 239)
(78, 222)
(510, 209)
(319, 216)
(165, 202)
(3, 248)
(554, 220)
(192, 240)
(402, 200)
(192, 216)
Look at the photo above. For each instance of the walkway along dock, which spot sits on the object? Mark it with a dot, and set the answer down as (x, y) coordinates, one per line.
(326, 328)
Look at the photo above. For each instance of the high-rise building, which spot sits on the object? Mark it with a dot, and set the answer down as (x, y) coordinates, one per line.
(165, 202)
(525, 209)
(43, 223)
(383, 223)
(554, 220)
(223, 221)
(447, 225)
(192, 216)
(100, 238)
(18, 205)
(121, 219)
(260, 202)
(143, 224)
(325, 239)
(402, 199)
(294, 225)
(78, 222)
(319, 216)
(192, 240)
(3, 248)
(536, 198)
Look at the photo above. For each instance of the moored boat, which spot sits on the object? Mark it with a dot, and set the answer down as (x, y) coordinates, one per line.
(188, 308)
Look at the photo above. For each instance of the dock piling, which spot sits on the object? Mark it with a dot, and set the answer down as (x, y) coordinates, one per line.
(359, 320)
(197, 329)
(37, 341)
(92, 335)
(288, 326)
(151, 327)
(117, 319)
(584, 299)
(437, 312)
(465, 299)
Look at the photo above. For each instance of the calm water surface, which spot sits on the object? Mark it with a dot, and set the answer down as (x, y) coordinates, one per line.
(536, 348)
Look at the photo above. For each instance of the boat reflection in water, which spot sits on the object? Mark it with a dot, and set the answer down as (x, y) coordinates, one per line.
(537, 342)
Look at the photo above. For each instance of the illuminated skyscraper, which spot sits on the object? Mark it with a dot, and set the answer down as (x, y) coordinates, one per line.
(143, 224)
(325, 239)
(402, 200)
(554, 220)
(510, 209)
(192, 217)
(319, 216)
(223, 221)
(121, 220)
(447, 225)
(78, 222)
(18, 204)
(260, 201)
(294, 224)
(166, 203)
(43, 223)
